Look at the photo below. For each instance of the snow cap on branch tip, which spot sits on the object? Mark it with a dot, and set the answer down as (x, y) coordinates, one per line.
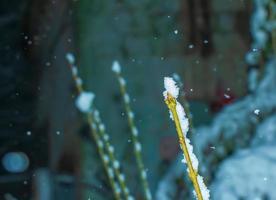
(116, 67)
(70, 58)
(170, 87)
(85, 101)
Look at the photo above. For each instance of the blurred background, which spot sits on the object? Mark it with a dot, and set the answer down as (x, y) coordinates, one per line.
(224, 53)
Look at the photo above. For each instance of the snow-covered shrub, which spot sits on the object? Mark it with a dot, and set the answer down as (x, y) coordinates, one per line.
(248, 174)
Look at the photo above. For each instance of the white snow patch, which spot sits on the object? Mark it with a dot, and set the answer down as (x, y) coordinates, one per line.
(106, 137)
(116, 67)
(85, 101)
(122, 81)
(110, 172)
(184, 122)
(144, 174)
(138, 146)
(257, 111)
(249, 173)
(78, 81)
(122, 177)
(102, 127)
(105, 158)
(111, 149)
(170, 87)
(192, 155)
(116, 164)
(70, 58)
(204, 191)
(131, 115)
(126, 98)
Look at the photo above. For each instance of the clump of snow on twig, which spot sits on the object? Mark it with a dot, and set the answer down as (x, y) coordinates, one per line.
(116, 67)
(256, 111)
(171, 87)
(70, 58)
(84, 101)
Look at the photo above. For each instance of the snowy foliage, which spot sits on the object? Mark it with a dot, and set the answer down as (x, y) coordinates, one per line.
(249, 174)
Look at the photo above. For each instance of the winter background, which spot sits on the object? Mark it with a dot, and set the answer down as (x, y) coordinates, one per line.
(223, 51)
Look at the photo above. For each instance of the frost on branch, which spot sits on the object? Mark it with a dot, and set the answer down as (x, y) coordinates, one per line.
(181, 121)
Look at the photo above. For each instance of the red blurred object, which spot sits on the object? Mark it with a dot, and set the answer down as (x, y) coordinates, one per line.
(223, 97)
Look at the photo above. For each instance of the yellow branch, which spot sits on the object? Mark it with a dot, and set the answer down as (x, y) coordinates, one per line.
(171, 103)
